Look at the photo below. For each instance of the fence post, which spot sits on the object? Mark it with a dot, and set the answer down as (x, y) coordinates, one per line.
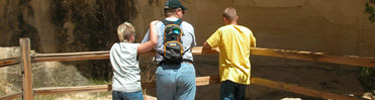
(27, 80)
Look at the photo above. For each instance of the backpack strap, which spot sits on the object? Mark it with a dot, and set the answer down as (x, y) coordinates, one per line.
(178, 22)
(166, 22)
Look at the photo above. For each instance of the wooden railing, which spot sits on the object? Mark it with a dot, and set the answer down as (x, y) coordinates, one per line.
(28, 92)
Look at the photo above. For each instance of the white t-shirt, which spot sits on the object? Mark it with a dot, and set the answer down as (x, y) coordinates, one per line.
(125, 64)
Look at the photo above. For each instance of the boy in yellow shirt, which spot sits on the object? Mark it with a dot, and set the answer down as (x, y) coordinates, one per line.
(234, 42)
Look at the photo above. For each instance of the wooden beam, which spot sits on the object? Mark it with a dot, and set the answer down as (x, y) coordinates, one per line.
(67, 90)
(200, 81)
(315, 56)
(74, 56)
(200, 51)
(27, 78)
(290, 54)
(301, 90)
(11, 96)
(207, 80)
(9, 61)
(95, 55)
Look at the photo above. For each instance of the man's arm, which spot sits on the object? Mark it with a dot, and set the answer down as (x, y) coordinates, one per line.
(146, 37)
(193, 43)
(147, 46)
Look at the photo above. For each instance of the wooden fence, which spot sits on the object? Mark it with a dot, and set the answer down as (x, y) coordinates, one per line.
(28, 92)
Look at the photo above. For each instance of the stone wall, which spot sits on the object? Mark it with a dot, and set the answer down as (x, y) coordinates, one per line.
(337, 27)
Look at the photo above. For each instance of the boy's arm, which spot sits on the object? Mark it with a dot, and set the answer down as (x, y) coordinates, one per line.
(213, 41)
(206, 46)
(253, 41)
(147, 46)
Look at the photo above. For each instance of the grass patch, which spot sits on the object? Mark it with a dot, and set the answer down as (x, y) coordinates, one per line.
(47, 97)
(2, 91)
(102, 94)
(98, 82)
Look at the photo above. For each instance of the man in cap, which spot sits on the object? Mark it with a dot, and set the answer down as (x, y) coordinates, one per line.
(175, 81)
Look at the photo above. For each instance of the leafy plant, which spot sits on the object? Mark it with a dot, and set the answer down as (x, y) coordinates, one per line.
(370, 10)
(367, 79)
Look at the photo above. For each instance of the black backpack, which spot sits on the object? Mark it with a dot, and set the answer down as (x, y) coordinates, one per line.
(173, 48)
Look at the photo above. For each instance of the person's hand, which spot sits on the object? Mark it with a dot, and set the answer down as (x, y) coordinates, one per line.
(217, 49)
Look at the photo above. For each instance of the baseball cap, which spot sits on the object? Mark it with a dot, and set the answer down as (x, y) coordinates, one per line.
(174, 4)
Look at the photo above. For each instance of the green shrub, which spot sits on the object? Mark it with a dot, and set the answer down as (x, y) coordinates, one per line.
(367, 79)
(370, 10)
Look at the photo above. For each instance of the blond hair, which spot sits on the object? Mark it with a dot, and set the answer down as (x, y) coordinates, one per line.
(230, 13)
(124, 31)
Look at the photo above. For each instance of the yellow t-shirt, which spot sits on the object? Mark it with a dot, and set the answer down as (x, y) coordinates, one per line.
(234, 42)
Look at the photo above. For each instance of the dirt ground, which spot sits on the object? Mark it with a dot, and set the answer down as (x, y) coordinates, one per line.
(339, 79)
(333, 78)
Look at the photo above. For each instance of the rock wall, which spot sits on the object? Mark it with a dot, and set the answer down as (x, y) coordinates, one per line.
(66, 26)
(334, 26)
(337, 27)
(63, 25)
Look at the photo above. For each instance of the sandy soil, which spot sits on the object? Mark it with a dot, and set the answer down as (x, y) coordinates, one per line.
(332, 78)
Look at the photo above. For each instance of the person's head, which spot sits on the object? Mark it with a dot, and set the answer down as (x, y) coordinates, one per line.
(174, 8)
(230, 15)
(126, 32)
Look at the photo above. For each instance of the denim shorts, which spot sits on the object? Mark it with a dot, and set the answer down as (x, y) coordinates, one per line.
(117, 95)
(175, 82)
(232, 91)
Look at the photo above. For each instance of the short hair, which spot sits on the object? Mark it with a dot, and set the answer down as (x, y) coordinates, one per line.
(230, 13)
(169, 12)
(124, 31)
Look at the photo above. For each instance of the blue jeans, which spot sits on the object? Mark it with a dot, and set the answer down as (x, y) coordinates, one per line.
(116, 95)
(232, 91)
(175, 82)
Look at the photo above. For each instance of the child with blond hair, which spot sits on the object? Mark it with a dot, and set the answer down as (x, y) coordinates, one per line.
(126, 82)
